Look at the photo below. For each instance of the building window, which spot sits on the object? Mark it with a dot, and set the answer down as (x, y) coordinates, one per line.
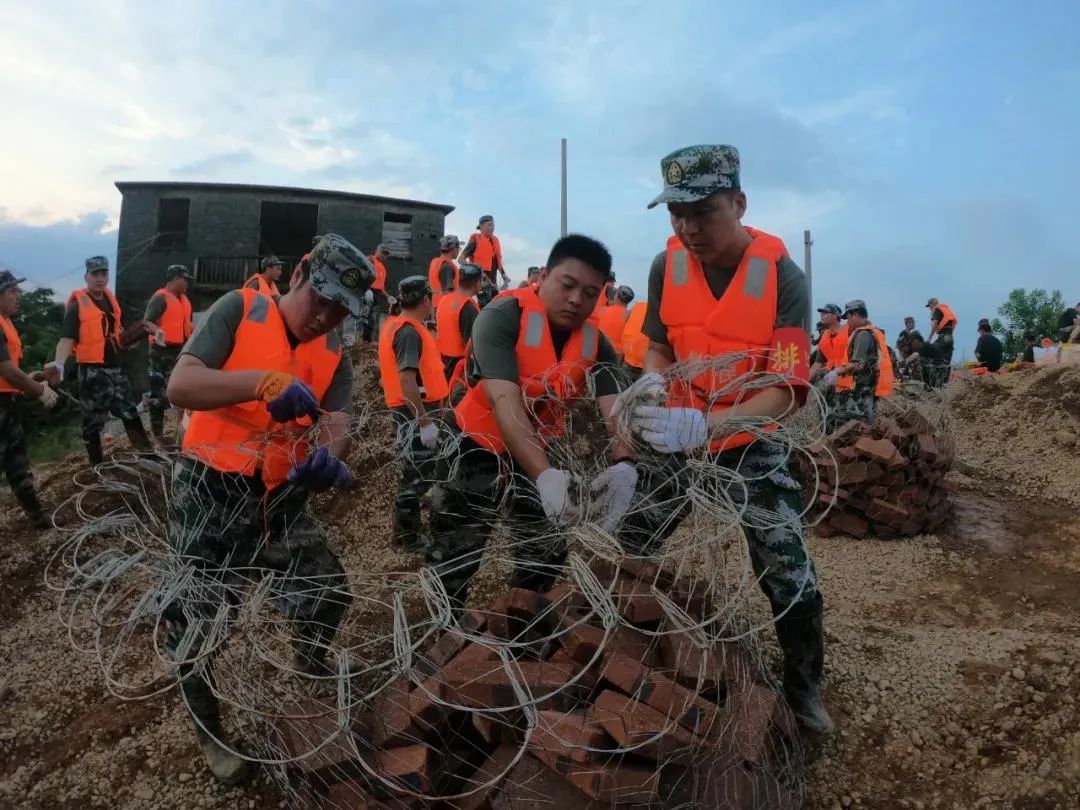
(287, 229)
(172, 228)
(397, 234)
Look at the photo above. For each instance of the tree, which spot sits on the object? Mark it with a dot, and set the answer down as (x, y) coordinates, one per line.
(1036, 311)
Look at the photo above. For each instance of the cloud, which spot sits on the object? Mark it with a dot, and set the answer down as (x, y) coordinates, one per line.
(214, 165)
(52, 255)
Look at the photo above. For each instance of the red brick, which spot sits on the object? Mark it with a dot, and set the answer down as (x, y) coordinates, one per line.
(632, 724)
(848, 524)
(428, 714)
(661, 693)
(486, 780)
(753, 712)
(880, 450)
(582, 642)
(526, 604)
(928, 449)
(569, 735)
(617, 782)
(565, 595)
(409, 768)
(497, 619)
(881, 510)
(349, 796)
(531, 785)
(852, 472)
(562, 658)
(487, 685)
(722, 667)
(635, 602)
(307, 726)
(845, 454)
(392, 716)
(646, 571)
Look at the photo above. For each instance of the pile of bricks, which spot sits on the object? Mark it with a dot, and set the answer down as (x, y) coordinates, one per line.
(629, 716)
(887, 480)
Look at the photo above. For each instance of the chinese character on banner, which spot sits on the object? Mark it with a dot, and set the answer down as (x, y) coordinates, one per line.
(784, 359)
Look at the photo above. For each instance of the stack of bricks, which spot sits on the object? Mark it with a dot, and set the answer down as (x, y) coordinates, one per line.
(887, 480)
(632, 715)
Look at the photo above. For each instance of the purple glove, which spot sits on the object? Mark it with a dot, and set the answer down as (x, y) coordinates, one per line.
(320, 471)
(294, 402)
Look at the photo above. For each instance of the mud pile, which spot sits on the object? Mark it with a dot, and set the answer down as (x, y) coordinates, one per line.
(1023, 428)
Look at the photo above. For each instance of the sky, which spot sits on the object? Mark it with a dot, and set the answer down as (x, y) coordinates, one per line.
(930, 148)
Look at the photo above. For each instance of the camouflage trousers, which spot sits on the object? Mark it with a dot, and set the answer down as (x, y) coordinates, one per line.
(415, 468)
(104, 390)
(777, 552)
(13, 458)
(631, 373)
(850, 405)
(232, 535)
(162, 361)
(476, 489)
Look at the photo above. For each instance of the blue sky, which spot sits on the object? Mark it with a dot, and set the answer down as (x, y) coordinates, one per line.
(931, 148)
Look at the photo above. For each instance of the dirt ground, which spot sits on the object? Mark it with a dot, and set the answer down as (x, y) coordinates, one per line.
(953, 660)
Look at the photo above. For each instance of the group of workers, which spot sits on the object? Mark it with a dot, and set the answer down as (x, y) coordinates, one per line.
(477, 392)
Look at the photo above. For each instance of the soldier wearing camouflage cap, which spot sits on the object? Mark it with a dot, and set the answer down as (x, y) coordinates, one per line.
(414, 387)
(169, 310)
(267, 277)
(455, 315)
(742, 282)
(255, 375)
(92, 329)
(443, 270)
(868, 372)
(484, 249)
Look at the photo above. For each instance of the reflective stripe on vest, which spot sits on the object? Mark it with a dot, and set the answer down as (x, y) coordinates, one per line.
(448, 324)
(432, 382)
(634, 341)
(549, 384)
(90, 345)
(242, 438)
(14, 350)
(741, 321)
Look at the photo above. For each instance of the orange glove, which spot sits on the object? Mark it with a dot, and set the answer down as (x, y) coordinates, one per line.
(286, 397)
(272, 385)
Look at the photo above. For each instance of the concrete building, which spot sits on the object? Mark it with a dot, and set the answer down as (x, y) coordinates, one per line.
(221, 230)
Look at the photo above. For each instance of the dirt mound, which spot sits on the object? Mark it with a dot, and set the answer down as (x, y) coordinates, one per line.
(1023, 428)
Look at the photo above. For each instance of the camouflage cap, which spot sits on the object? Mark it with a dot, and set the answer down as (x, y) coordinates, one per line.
(273, 261)
(485, 218)
(449, 242)
(696, 172)
(933, 302)
(832, 309)
(625, 293)
(412, 290)
(96, 263)
(853, 304)
(469, 272)
(340, 272)
(178, 271)
(8, 280)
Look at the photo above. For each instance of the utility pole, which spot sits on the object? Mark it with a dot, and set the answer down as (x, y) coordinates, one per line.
(563, 228)
(807, 244)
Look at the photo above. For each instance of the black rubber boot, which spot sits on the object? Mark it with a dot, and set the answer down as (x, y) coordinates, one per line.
(227, 767)
(801, 632)
(137, 434)
(94, 451)
(35, 512)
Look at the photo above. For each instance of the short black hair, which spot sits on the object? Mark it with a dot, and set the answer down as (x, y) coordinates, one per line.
(583, 248)
(1029, 336)
(984, 327)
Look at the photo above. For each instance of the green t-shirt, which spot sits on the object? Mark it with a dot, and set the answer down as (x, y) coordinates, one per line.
(214, 338)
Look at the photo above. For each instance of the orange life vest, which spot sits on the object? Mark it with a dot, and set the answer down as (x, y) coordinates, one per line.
(447, 327)
(15, 352)
(886, 374)
(948, 318)
(90, 345)
(432, 372)
(433, 273)
(634, 342)
(601, 300)
(742, 320)
(242, 438)
(834, 347)
(379, 285)
(175, 320)
(612, 320)
(549, 384)
(487, 249)
(266, 286)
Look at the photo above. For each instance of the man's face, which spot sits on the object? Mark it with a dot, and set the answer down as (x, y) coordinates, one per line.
(909, 323)
(488, 228)
(382, 254)
(709, 228)
(9, 302)
(273, 273)
(568, 292)
(97, 281)
(179, 285)
(855, 320)
(308, 315)
(830, 319)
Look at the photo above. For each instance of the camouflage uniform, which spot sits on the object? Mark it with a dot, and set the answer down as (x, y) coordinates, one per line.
(476, 488)
(104, 390)
(162, 361)
(16, 464)
(415, 466)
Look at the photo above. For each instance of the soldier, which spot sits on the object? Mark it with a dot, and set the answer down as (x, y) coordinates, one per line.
(943, 323)
(380, 302)
(721, 287)
(92, 328)
(903, 340)
(867, 372)
(634, 342)
(240, 488)
(613, 317)
(531, 352)
(532, 275)
(15, 383)
(414, 385)
(831, 354)
(170, 310)
(443, 270)
(455, 315)
(265, 281)
(484, 249)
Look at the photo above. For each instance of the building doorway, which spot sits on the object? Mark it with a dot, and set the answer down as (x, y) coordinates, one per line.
(287, 229)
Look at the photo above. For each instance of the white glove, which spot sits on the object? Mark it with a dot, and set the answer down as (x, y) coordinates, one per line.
(369, 296)
(614, 489)
(159, 337)
(429, 435)
(553, 486)
(48, 397)
(390, 300)
(670, 430)
(59, 368)
(648, 389)
(832, 377)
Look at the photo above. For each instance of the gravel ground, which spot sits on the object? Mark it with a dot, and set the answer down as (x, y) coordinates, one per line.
(952, 661)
